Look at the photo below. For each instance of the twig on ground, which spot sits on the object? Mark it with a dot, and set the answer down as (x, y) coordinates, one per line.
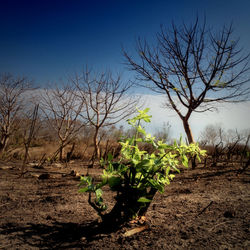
(135, 230)
(205, 208)
(215, 226)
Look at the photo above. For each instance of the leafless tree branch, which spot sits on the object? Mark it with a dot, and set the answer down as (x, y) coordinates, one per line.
(106, 100)
(194, 66)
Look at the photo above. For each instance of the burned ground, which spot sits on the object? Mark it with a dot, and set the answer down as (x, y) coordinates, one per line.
(203, 208)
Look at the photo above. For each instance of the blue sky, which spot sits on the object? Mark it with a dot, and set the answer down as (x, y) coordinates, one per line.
(46, 40)
(49, 39)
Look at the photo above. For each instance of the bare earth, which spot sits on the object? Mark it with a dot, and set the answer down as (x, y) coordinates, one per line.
(206, 208)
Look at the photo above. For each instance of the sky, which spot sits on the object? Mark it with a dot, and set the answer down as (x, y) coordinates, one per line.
(229, 116)
(47, 40)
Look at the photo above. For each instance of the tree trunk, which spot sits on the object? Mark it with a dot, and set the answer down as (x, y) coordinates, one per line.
(70, 153)
(25, 158)
(190, 139)
(127, 207)
(188, 131)
(1, 148)
(96, 145)
(61, 151)
(3, 143)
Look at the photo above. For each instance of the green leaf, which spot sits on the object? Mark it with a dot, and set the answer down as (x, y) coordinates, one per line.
(185, 161)
(110, 157)
(86, 180)
(114, 181)
(146, 163)
(146, 110)
(141, 130)
(144, 200)
(198, 158)
(98, 193)
(83, 190)
(102, 162)
(173, 166)
(89, 188)
(171, 176)
(156, 185)
(104, 207)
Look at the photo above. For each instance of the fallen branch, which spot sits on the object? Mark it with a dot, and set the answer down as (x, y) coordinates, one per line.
(135, 231)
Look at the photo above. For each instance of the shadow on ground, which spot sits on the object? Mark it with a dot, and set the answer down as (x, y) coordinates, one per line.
(57, 236)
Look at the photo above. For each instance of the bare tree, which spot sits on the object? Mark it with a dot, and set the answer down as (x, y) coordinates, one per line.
(245, 153)
(212, 135)
(62, 110)
(106, 100)
(12, 95)
(224, 145)
(213, 139)
(195, 67)
(163, 134)
(29, 133)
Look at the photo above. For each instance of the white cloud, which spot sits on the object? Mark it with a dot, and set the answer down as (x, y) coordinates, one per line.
(229, 116)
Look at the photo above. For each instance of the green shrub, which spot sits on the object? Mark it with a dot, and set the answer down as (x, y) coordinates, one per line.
(137, 175)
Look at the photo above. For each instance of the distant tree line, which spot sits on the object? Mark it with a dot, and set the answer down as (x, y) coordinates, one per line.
(90, 100)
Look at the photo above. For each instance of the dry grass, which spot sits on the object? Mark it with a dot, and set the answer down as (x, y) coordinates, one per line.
(82, 151)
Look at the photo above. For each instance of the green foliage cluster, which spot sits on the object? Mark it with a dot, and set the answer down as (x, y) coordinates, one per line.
(137, 175)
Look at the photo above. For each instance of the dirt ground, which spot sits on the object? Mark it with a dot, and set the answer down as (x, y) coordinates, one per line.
(206, 208)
